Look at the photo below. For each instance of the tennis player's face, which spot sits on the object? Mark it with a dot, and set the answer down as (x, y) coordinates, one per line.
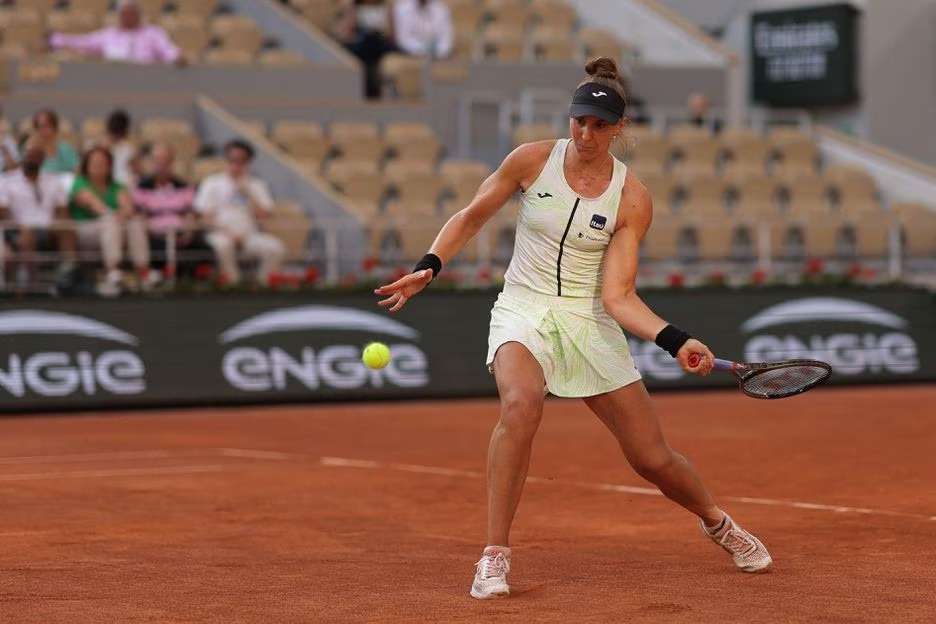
(592, 135)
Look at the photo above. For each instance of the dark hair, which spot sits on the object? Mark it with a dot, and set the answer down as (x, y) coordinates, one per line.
(604, 71)
(118, 123)
(240, 144)
(48, 113)
(86, 159)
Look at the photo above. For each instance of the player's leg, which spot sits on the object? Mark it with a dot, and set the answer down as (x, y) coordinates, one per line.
(520, 385)
(630, 416)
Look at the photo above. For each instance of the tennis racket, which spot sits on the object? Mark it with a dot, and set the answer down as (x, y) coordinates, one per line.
(773, 380)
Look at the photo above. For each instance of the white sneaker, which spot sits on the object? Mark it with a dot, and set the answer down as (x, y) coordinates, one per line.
(111, 285)
(748, 552)
(490, 579)
(149, 280)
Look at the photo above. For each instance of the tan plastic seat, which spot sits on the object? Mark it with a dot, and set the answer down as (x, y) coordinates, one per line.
(462, 178)
(873, 232)
(529, 133)
(513, 14)
(151, 9)
(556, 14)
(228, 56)
(236, 32)
(73, 22)
(198, 8)
(757, 198)
(92, 7)
(705, 198)
(403, 75)
(714, 240)
(357, 140)
(189, 33)
(918, 233)
(45, 6)
(414, 183)
(412, 141)
(743, 150)
(291, 225)
(25, 29)
(697, 157)
(641, 146)
(500, 43)
(466, 15)
(597, 42)
(793, 146)
(682, 135)
(204, 167)
(93, 130)
(359, 181)
(304, 140)
(553, 45)
(662, 240)
(320, 14)
(282, 58)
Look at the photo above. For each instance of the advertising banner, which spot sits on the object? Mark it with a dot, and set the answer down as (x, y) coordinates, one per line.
(805, 56)
(274, 348)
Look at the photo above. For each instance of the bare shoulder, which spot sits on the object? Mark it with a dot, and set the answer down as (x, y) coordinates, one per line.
(527, 160)
(636, 207)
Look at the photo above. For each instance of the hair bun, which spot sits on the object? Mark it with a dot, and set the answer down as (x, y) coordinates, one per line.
(602, 67)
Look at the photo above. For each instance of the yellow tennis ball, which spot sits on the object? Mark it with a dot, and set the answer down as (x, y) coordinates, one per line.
(376, 355)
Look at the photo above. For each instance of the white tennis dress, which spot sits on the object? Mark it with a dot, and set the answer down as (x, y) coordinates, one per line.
(551, 302)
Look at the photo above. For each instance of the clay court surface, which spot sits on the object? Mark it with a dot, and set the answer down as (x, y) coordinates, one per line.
(374, 513)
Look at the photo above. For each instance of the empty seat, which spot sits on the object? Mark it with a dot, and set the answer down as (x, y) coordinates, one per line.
(198, 8)
(873, 232)
(357, 140)
(25, 29)
(237, 32)
(45, 6)
(358, 181)
(412, 141)
(555, 14)
(808, 197)
(414, 184)
(282, 58)
(461, 179)
(304, 140)
(290, 225)
(529, 133)
(918, 233)
(714, 240)
(228, 56)
(189, 33)
(466, 15)
(403, 75)
(685, 134)
(600, 42)
(757, 197)
(92, 7)
(204, 167)
(698, 157)
(513, 14)
(791, 146)
(73, 22)
(552, 45)
(500, 43)
(93, 130)
(743, 150)
(151, 8)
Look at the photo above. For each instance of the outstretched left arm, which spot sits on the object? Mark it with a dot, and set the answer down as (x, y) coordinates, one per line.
(619, 286)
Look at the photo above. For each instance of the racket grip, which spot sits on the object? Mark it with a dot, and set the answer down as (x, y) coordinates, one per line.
(724, 365)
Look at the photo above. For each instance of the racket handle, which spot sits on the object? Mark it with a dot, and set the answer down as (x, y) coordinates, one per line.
(724, 365)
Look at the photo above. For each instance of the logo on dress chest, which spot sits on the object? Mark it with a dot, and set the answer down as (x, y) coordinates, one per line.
(598, 222)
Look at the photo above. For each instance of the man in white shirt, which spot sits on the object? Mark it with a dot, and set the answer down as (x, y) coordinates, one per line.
(423, 28)
(231, 202)
(32, 200)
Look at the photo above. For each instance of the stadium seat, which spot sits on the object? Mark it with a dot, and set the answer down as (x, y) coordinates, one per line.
(714, 240)
(45, 6)
(873, 233)
(282, 58)
(413, 184)
(466, 15)
(704, 197)
(151, 9)
(681, 135)
(403, 75)
(744, 151)
(793, 146)
(697, 157)
(228, 56)
(204, 167)
(258, 126)
(189, 33)
(512, 14)
(808, 197)
(359, 181)
(303, 140)
(661, 242)
(826, 237)
(357, 140)
(412, 141)
(788, 240)
(411, 214)
(92, 7)
(529, 133)
(72, 22)
(600, 42)
(757, 198)
(552, 45)
(555, 14)
(236, 32)
(852, 186)
(500, 43)
(461, 179)
(25, 29)
(198, 8)
(918, 233)
(93, 130)
(290, 225)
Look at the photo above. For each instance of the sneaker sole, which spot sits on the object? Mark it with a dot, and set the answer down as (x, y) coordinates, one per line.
(763, 568)
(490, 596)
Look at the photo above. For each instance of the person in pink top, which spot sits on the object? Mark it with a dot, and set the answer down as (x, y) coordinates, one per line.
(131, 41)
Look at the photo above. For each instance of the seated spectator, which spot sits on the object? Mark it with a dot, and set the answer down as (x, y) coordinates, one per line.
(103, 210)
(8, 149)
(365, 28)
(131, 41)
(32, 199)
(119, 143)
(60, 156)
(230, 203)
(699, 105)
(423, 28)
(166, 202)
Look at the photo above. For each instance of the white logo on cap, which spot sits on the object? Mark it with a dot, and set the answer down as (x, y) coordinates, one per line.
(599, 94)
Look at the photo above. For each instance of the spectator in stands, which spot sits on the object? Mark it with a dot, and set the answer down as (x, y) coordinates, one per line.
(60, 156)
(365, 27)
(166, 202)
(130, 41)
(231, 202)
(32, 200)
(103, 210)
(9, 153)
(122, 148)
(699, 105)
(423, 28)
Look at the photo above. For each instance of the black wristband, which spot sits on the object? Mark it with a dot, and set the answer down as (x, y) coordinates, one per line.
(429, 261)
(671, 339)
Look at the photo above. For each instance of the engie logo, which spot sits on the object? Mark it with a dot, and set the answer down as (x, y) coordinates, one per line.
(59, 373)
(884, 347)
(324, 364)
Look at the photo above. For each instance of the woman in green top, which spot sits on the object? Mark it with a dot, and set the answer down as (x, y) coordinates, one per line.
(103, 213)
(60, 155)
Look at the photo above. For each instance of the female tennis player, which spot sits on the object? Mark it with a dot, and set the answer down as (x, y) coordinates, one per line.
(569, 289)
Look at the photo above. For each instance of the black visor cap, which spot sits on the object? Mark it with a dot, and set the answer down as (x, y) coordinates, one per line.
(596, 100)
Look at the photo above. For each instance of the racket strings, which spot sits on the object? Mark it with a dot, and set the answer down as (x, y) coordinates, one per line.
(785, 380)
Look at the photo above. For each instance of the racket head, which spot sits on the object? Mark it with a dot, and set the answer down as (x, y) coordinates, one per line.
(779, 380)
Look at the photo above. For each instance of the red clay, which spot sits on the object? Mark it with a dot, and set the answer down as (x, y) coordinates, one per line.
(181, 530)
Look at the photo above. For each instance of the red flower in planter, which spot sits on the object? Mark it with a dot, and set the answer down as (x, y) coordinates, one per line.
(759, 277)
(311, 275)
(815, 266)
(676, 280)
(855, 271)
(398, 273)
(370, 263)
(349, 279)
(484, 274)
(204, 271)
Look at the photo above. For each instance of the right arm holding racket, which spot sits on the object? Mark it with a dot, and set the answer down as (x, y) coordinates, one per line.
(619, 288)
(517, 171)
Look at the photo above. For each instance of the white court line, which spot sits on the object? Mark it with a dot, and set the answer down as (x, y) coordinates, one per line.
(255, 454)
(122, 472)
(340, 462)
(85, 457)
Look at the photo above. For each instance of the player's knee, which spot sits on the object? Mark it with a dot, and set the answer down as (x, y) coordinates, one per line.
(521, 413)
(651, 465)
